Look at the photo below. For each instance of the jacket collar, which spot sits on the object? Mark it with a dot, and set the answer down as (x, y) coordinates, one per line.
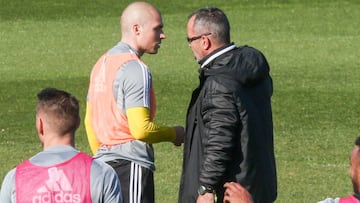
(206, 60)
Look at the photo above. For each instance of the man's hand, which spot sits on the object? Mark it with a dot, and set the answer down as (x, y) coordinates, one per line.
(235, 193)
(180, 133)
(206, 198)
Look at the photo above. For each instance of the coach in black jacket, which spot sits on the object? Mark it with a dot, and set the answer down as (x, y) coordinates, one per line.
(229, 132)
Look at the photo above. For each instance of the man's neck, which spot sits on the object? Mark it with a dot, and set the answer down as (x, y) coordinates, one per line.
(67, 139)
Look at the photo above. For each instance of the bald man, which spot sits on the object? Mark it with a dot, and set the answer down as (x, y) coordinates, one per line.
(121, 104)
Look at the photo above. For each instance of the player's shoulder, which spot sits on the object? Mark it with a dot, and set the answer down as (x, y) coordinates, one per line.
(135, 65)
(99, 167)
(10, 174)
(100, 164)
(134, 70)
(330, 200)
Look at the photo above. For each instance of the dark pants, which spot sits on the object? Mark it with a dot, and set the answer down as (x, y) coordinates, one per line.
(137, 182)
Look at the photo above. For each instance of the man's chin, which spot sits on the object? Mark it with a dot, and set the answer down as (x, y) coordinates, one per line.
(152, 52)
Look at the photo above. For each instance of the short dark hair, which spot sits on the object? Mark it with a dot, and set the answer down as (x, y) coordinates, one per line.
(357, 141)
(61, 108)
(212, 20)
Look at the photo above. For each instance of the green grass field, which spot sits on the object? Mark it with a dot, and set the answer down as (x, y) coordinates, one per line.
(312, 48)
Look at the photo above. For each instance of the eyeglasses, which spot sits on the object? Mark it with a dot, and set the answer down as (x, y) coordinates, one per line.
(190, 39)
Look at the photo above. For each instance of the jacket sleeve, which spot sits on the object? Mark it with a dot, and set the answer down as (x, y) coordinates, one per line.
(221, 123)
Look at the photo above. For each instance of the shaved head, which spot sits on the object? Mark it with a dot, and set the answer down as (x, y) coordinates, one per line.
(136, 13)
(142, 27)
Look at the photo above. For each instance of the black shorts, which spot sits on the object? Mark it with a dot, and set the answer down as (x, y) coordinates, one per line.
(137, 182)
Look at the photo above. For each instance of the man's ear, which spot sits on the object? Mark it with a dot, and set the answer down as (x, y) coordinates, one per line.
(136, 29)
(78, 121)
(206, 43)
(40, 125)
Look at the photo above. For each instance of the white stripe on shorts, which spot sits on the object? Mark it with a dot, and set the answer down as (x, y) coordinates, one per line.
(135, 183)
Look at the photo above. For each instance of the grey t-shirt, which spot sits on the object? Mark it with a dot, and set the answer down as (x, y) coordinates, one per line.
(104, 183)
(131, 88)
(330, 200)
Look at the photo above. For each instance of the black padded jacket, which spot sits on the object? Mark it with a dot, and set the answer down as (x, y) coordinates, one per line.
(229, 128)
